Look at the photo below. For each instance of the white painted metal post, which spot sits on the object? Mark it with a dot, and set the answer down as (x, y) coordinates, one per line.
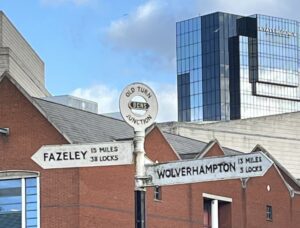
(140, 191)
(214, 214)
(138, 106)
(139, 151)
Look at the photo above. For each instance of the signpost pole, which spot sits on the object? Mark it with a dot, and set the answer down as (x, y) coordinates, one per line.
(140, 191)
(138, 106)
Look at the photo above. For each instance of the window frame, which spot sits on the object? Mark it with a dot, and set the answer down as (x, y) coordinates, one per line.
(23, 175)
(269, 213)
(157, 193)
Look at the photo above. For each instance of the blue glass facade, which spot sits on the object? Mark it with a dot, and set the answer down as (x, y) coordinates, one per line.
(189, 68)
(245, 67)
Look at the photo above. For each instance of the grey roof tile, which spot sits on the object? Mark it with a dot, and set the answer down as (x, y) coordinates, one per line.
(83, 126)
(228, 151)
(188, 148)
(183, 145)
(86, 127)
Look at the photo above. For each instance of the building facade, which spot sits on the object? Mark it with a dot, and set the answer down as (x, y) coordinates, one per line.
(234, 67)
(103, 196)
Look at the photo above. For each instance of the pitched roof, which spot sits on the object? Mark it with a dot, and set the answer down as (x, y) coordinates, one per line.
(79, 126)
(82, 126)
(188, 148)
(183, 145)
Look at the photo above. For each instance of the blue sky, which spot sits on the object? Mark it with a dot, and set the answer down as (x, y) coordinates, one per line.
(94, 48)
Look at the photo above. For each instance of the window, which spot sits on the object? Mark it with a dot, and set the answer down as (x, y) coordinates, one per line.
(157, 193)
(216, 211)
(19, 200)
(269, 213)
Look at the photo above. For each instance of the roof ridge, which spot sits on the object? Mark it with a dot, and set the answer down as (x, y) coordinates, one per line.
(182, 136)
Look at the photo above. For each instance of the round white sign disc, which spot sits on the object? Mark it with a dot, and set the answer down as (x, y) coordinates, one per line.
(138, 106)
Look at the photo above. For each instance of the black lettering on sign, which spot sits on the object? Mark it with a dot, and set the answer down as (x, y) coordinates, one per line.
(195, 170)
(94, 159)
(65, 156)
(253, 169)
(137, 121)
(59, 158)
(108, 149)
(253, 159)
(139, 105)
(51, 157)
(46, 156)
(129, 92)
(144, 91)
(108, 158)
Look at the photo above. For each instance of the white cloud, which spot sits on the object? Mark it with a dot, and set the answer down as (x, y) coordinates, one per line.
(108, 99)
(149, 30)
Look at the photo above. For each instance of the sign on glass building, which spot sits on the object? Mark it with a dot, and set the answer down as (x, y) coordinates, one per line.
(233, 67)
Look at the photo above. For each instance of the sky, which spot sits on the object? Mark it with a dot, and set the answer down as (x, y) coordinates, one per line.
(94, 48)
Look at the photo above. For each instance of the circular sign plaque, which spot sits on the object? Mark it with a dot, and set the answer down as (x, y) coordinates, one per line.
(138, 106)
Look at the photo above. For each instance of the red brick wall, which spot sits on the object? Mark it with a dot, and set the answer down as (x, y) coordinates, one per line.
(214, 150)
(258, 197)
(107, 193)
(29, 130)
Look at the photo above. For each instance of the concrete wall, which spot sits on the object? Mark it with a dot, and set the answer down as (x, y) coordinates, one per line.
(278, 134)
(23, 62)
(74, 102)
(10, 62)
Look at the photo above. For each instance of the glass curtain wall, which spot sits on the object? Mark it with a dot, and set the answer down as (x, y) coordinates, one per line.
(274, 87)
(232, 67)
(189, 75)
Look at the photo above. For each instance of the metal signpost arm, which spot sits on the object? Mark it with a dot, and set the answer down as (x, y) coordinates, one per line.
(140, 191)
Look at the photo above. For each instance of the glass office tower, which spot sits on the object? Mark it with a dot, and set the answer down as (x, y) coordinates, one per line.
(232, 67)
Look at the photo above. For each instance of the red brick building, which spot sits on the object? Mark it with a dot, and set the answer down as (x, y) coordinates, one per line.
(103, 196)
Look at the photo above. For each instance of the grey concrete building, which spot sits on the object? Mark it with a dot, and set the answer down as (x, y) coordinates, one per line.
(74, 102)
(18, 58)
(278, 134)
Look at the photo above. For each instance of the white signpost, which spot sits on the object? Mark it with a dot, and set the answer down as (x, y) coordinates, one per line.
(208, 169)
(138, 106)
(84, 155)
